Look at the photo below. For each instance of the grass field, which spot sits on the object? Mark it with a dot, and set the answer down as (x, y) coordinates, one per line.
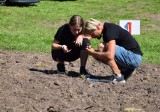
(32, 28)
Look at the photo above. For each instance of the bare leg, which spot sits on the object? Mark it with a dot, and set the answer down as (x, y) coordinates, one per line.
(114, 67)
(83, 58)
(111, 63)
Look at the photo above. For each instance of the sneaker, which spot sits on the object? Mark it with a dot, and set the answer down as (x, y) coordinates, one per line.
(60, 68)
(85, 73)
(118, 79)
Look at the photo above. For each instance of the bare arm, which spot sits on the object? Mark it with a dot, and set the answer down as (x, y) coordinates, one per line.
(79, 39)
(105, 56)
(56, 45)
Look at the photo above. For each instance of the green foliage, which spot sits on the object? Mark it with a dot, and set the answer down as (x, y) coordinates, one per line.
(32, 28)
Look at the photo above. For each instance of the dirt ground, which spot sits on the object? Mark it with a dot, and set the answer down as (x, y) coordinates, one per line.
(28, 83)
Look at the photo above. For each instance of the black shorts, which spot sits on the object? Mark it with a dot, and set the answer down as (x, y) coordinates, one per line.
(74, 54)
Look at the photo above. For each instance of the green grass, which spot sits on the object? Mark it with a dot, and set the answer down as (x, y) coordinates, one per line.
(33, 28)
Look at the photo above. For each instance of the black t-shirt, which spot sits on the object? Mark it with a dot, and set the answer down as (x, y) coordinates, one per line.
(65, 36)
(122, 37)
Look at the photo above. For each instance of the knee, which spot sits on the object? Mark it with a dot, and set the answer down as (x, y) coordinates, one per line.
(85, 43)
(100, 47)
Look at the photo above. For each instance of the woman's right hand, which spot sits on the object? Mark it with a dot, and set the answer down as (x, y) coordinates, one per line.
(65, 49)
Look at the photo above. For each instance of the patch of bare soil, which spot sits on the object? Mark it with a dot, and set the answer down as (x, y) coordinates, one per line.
(28, 83)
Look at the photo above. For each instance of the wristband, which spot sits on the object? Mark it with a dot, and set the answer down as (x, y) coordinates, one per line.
(63, 46)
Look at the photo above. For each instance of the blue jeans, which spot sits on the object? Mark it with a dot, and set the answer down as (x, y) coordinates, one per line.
(127, 59)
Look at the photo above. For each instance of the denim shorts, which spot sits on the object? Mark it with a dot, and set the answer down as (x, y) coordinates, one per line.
(126, 58)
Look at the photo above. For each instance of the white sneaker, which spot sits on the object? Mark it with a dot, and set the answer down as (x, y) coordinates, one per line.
(118, 79)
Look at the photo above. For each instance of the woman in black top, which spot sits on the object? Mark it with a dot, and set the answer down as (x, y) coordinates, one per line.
(69, 44)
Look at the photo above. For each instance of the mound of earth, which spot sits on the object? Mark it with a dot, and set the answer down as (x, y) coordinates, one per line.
(28, 83)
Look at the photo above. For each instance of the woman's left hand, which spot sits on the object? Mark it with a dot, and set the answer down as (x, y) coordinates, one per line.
(79, 40)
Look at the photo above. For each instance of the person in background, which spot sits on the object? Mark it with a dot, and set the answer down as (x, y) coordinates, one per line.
(119, 49)
(69, 44)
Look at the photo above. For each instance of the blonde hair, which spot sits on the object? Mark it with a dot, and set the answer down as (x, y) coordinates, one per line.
(91, 24)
